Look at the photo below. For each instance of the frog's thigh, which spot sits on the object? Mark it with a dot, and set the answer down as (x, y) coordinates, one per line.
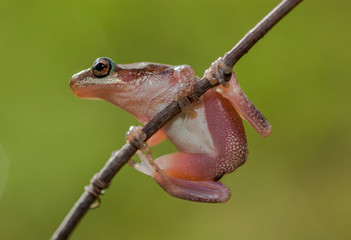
(190, 177)
(188, 166)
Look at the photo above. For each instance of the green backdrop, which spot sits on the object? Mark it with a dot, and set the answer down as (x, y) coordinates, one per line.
(296, 183)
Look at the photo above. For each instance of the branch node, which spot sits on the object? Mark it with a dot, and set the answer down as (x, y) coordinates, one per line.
(96, 188)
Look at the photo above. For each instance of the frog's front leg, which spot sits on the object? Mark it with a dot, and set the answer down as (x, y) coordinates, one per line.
(186, 80)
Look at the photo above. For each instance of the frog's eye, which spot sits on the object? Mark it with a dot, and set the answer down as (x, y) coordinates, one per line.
(101, 67)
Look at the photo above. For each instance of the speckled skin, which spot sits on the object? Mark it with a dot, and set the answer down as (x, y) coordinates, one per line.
(225, 141)
(216, 148)
(211, 144)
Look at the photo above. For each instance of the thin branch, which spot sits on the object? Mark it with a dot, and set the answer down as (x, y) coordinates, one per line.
(261, 28)
(118, 159)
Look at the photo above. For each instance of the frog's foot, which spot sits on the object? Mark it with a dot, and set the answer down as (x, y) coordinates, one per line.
(136, 137)
(198, 191)
(217, 71)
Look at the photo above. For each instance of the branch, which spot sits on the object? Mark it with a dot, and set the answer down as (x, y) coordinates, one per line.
(102, 179)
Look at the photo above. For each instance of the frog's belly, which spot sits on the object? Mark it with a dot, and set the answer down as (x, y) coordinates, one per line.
(191, 134)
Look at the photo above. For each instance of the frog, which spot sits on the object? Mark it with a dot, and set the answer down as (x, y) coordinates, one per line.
(209, 136)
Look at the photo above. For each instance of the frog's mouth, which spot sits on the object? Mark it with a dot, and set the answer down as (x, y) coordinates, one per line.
(85, 94)
(84, 85)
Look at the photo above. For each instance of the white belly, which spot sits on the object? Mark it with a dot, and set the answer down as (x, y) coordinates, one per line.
(190, 134)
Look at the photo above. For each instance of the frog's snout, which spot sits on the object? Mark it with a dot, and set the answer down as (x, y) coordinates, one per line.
(74, 82)
(77, 82)
(83, 85)
(78, 77)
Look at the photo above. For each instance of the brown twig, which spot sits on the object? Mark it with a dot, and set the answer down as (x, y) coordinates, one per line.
(118, 159)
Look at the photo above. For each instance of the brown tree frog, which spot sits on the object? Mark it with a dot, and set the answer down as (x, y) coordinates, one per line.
(211, 142)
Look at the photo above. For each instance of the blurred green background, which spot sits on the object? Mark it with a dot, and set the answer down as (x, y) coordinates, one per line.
(296, 183)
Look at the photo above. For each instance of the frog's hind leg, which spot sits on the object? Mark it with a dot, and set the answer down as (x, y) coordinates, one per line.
(247, 110)
(189, 176)
(183, 175)
(179, 176)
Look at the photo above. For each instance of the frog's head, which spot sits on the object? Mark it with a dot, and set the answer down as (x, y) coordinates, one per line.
(96, 81)
(129, 86)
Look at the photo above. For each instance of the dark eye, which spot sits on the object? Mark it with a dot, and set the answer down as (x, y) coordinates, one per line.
(101, 67)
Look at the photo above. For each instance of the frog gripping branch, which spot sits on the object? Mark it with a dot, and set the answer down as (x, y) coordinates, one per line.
(207, 152)
(206, 149)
